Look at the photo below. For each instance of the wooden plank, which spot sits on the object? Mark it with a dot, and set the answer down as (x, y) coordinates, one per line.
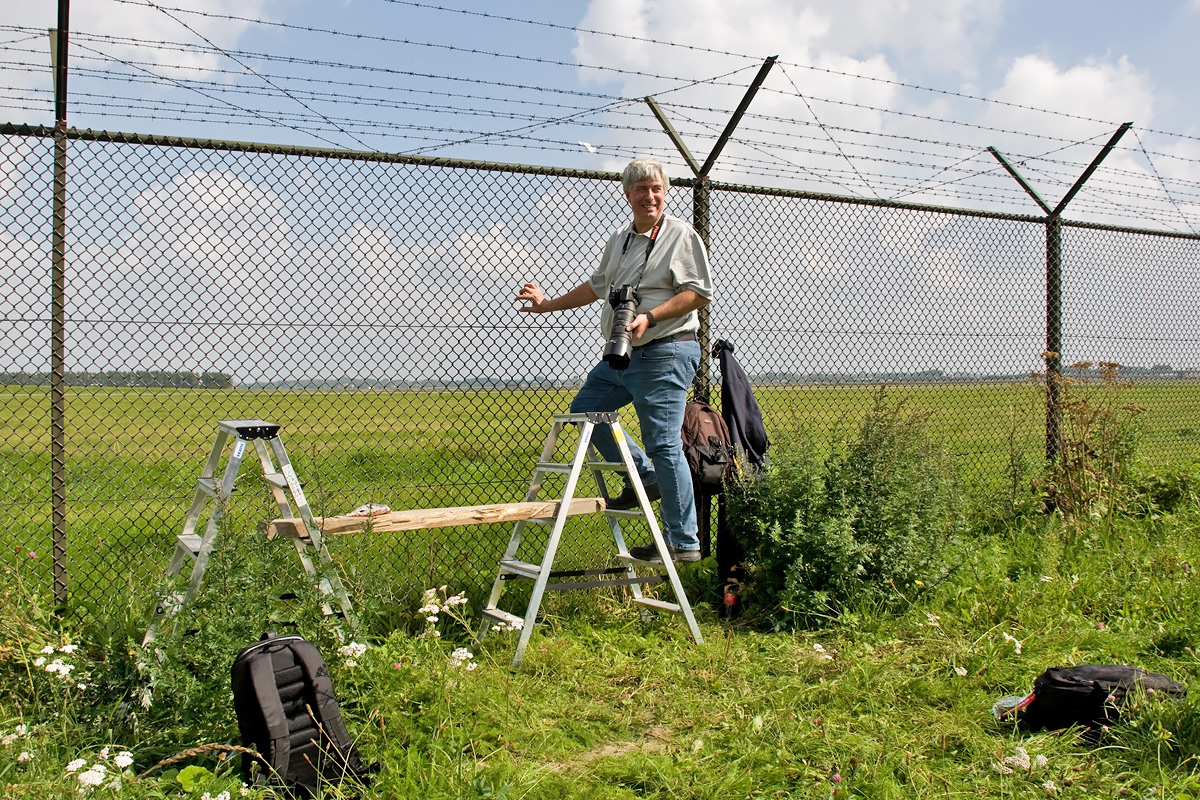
(422, 519)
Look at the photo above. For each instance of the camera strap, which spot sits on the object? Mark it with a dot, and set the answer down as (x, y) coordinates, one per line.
(650, 246)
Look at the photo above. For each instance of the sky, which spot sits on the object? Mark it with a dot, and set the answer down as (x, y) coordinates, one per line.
(897, 99)
(891, 99)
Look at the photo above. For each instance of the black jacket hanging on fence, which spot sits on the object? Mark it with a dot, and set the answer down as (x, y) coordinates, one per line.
(739, 408)
(744, 419)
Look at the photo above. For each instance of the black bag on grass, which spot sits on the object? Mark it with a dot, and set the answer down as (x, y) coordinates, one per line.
(1089, 695)
(287, 711)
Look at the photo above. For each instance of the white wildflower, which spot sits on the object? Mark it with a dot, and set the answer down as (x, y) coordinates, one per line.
(1015, 643)
(1041, 761)
(21, 729)
(8, 739)
(76, 765)
(244, 791)
(1049, 787)
(47, 650)
(104, 752)
(91, 777)
(68, 648)
(821, 652)
(1002, 769)
(352, 650)
(431, 619)
(460, 656)
(933, 620)
(23, 757)
(39, 661)
(123, 759)
(960, 672)
(472, 665)
(1020, 759)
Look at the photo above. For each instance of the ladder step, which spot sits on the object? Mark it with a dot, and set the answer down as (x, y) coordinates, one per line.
(522, 568)
(208, 486)
(625, 558)
(661, 605)
(191, 543)
(558, 466)
(276, 479)
(503, 616)
(627, 513)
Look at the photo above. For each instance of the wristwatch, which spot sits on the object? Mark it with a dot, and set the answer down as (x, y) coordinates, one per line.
(652, 321)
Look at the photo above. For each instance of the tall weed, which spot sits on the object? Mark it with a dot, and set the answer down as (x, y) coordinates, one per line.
(1096, 441)
(872, 520)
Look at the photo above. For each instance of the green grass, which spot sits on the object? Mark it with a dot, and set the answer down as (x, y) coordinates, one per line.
(607, 705)
(133, 456)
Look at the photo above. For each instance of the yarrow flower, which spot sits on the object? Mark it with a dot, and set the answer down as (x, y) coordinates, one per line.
(506, 625)
(434, 602)
(1015, 642)
(352, 652)
(123, 759)
(821, 652)
(461, 656)
(24, 756)
(221, 796)
(76, 765)
(92, 776)
(960, 672)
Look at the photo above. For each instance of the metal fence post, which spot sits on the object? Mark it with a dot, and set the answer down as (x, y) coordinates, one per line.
(58, 292)
(700, 221)
(1053, 335)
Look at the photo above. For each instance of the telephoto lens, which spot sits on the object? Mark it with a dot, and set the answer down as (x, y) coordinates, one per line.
(624, 302)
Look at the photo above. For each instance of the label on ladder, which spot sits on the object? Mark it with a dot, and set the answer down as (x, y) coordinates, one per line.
(239, 449)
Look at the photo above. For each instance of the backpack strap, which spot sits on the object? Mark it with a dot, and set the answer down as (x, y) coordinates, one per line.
(327, 711)
(262, 679)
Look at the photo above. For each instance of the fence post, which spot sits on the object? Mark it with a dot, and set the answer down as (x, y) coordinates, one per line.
(1053, 353)
(701, 190)
(58, 293)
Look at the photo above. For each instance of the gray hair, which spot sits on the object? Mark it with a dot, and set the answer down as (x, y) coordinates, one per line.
(639, 170)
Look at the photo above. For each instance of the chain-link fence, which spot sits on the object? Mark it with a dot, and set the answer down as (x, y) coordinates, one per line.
(365, 303)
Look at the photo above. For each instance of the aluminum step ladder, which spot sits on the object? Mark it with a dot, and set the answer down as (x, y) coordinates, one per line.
(264, 436)
(585, 458)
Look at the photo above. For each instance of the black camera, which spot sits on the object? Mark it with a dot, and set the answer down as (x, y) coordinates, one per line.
(624, 302)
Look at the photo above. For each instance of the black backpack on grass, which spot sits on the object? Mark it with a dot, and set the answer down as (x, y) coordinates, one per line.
(287, 712)
(1089, 695)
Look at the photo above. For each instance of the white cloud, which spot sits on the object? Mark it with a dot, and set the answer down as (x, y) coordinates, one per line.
(497, 252)
(1096, 89)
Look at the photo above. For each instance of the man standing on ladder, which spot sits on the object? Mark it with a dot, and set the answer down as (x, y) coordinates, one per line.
(659, 263)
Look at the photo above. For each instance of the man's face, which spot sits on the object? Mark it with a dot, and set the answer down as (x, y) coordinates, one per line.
(648, 198)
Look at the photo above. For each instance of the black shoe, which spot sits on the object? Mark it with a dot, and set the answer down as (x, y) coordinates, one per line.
(648, 552)
(627, 499)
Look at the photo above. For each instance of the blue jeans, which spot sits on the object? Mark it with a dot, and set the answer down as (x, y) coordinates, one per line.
(656, 382)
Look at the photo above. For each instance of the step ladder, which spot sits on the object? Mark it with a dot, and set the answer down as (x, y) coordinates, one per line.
(264, 436)
(586, 457)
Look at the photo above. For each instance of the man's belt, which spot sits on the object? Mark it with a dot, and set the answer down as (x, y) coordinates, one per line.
(686, 336)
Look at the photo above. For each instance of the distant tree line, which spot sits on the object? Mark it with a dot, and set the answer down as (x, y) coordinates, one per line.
(154, 379)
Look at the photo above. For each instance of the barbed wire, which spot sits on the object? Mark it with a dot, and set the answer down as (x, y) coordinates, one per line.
(948, 160)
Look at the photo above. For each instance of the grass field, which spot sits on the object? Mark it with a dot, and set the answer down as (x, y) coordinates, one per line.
(133, 455)
(881, 704)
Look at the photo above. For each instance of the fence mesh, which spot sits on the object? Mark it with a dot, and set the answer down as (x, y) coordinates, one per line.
(366, 306)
